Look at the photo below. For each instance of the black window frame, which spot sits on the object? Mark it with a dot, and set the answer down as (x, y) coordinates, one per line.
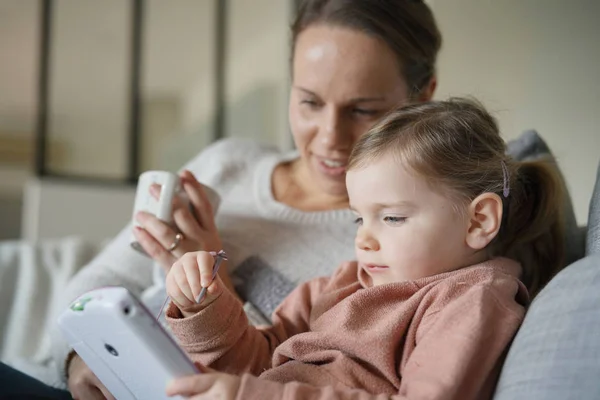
(135, 138)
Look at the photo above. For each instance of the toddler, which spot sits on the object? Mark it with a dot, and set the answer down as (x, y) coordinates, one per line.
(451, 236)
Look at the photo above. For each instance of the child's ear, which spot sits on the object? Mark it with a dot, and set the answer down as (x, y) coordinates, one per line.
(485, 218)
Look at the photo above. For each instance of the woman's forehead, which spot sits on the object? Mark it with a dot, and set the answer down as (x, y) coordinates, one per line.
(329, 58)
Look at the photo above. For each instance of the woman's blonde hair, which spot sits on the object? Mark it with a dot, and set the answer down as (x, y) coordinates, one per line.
(456, 146)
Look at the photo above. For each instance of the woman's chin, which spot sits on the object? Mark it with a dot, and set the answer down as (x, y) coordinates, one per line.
(333, 188)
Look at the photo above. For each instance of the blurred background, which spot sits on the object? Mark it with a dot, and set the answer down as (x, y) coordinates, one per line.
(94, 92)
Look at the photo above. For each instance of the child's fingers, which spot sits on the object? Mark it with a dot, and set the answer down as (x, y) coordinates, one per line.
(188, 386)
(192, 272)
(202, 368)
(183, 284)
(175, 293)
(205, 263)
(215, 287)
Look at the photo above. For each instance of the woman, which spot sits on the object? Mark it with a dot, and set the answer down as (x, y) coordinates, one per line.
(281, 218)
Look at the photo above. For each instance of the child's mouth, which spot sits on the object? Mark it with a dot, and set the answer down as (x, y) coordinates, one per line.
(375, 268)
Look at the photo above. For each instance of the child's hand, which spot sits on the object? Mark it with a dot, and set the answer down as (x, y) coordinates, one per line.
(187, 277)
(206, 386)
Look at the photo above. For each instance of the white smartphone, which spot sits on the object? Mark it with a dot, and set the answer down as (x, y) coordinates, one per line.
(123, 344)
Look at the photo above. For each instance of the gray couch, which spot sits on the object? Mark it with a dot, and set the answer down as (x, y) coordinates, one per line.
(556, 353)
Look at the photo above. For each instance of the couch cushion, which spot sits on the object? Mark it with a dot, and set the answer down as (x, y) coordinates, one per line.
(530, 147)
(593, 233)
(556, 353)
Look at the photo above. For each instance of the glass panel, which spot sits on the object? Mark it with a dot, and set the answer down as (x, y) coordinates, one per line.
(88, 110)
(257, 71)
(19, 20)
(177, 81)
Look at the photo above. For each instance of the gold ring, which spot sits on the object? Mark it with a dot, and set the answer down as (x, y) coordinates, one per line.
(178, 238)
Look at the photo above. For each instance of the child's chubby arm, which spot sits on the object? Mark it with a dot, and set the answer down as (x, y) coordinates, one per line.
(216, 332)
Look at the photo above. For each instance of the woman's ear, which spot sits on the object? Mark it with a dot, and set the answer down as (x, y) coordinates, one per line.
(485, 218)
(428, 91)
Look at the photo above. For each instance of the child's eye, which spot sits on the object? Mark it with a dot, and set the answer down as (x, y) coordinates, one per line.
(358, 221)
(394, 220)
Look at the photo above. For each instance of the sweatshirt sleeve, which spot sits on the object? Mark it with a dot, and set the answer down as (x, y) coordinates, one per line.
(221, 338)
(457, 354)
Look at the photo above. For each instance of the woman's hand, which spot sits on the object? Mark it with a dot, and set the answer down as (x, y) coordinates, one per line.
(206, 385)
(83, 384)
(195, 223)
(187, 277)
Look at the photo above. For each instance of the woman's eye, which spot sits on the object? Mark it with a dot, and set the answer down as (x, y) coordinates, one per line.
(310, 103)
(358, 221)
(365, 112)
(394, 220)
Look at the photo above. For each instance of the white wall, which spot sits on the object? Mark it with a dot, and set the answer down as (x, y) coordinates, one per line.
(58, 209)
(535, 64)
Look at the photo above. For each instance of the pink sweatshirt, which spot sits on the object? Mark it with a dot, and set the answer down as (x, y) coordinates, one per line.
(441, 337)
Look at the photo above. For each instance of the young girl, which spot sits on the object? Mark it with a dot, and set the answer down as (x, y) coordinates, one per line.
(451, 236)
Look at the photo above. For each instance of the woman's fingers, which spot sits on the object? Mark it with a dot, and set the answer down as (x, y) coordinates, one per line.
(163, 234)
(106, 394)
(182, 215)
(185, 220)
(155, 189)
(192, 229)
(87, 392)
(153, 248)
(160, 230)
(198, 200)
(83, 384)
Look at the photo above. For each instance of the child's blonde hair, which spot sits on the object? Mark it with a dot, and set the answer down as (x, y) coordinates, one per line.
(456, 146)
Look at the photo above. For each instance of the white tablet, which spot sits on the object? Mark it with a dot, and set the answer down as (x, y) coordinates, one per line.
(123, 344)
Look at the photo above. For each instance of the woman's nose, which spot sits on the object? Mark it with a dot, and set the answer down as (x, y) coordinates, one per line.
(365, 241)
(332, 130)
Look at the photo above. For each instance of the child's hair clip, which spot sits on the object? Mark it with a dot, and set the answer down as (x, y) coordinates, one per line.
(506, 189)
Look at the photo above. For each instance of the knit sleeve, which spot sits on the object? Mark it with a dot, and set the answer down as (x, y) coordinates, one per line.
(221, 338)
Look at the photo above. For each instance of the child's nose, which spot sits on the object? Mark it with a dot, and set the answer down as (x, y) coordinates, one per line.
(366, 242)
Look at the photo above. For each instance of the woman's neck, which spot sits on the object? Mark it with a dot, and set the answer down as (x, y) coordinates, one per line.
(293, 186)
